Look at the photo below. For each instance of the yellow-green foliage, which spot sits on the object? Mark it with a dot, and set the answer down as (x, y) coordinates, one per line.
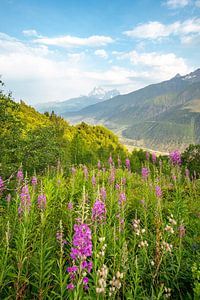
(39, 140)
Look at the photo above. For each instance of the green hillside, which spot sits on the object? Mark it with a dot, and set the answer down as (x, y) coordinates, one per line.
(41, 140)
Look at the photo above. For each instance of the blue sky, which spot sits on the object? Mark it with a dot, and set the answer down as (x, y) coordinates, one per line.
(55, 50)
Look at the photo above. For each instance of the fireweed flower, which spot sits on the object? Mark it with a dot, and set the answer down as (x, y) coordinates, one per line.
(145, 173)
(153, 157)
(34, 180)
(119, 162)
(70, 286)
(25, 203)
(1, 185)
(20, 175)
(99, 211)
(103, 193)
(73, 170)
(174, 177)
(143, 203)
(110, 160)
(82, 244)
(42, 201)
(59, 238)
(181, 231)
(70, 206)
(99, 165)
(85, 282)
(175, 157)
(128, 163)
(123, 180)
(8, 198)
(93, 180)
(158, 191)
(147, 155)
(117, 186)
(72, 269)
(85, 171)
(111, 178)
(187, 173)
(122, 198)
(80, 252)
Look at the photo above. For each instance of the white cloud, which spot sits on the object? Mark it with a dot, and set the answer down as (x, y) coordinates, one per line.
(101, 53)
(158, 66)
(157, 30)
(151, 30)
(173, 4)
(30, 33)
(36, 74)
(73, 41)
(197, 3)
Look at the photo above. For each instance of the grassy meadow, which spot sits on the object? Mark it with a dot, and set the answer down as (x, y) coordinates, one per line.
(101, 233)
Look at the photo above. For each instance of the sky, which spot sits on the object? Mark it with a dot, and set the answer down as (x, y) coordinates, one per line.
(56, 50)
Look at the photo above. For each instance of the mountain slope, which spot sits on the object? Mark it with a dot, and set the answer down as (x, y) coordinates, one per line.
(162, 116)
(98, 94)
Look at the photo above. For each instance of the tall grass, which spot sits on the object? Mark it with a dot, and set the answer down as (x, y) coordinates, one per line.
(144, 230)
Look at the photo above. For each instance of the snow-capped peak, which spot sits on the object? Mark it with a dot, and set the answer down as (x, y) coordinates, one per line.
(101, 93)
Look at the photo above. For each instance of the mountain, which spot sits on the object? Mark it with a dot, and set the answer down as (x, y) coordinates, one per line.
(98, 94)
(161, 116)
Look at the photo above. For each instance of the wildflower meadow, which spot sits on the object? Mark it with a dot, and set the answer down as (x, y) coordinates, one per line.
(102, 232)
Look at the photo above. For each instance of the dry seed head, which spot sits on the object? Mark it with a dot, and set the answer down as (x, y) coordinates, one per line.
(98, 290)
(117, 283)
(118, 274)
(169, 229)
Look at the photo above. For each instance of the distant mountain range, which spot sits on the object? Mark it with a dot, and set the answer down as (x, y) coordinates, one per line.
(98, 94)
(161, 116)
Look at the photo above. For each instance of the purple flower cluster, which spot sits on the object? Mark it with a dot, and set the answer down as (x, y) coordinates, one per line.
(85, 172)
(1, 185)
(147, 155)
(73, 170)
(181, 231)
(34, 180)
(81, 250)
(110, 160)
(128, 163)
(20, 175)
(103, 193)
(187, 173)
(117, 186)
(42, 201)
(153, 157)
(111, 178)
(99, 211)
(145, 173)
(25, 197)
(59, 237)
(70, 206)
(122, 198)
(175, 157)
(123, 181)
(99, 165)
(158, 191)
(82, 244)
(8, 198)
(93, 180)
